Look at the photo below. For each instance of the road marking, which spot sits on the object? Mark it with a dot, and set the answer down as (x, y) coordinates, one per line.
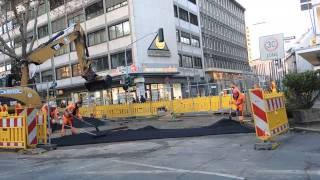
(296, 172)
(180, 170)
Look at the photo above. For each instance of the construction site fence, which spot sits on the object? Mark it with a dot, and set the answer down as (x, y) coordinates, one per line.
(26, 129)
(179, 106)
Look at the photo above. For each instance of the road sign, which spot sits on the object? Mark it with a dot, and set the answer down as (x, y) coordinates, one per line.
(271, 47)
(289, 38)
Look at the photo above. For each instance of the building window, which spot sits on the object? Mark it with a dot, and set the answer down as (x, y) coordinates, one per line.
(94, 10)
(43, 31)
(76, 17)
(180, 60)
(118, 59)
(8, 67)
(115, 4)
(61, 51)
(47, 76)
(56, 3)
(58, 25)
(178, 35)
(175, 10)
(193, 1)
(119, 30)
(36, 77)
(183, 14)
(76, 70)
(42, 8)
(186, 61)
(97, 37)
(185, 38)
(100, 64)
(195, 41)
(197, 63)
(63, 72)
(194, 19)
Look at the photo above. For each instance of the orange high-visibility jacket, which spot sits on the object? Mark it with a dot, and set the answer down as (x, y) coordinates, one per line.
(70, 109)
(53, 111)
(240, 102)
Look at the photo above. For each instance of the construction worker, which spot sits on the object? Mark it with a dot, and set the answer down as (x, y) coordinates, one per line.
(54, 114)
(273, 87)
(69, 115)
(1, 113)
(5, 110)
(17, 107)
(239, 100)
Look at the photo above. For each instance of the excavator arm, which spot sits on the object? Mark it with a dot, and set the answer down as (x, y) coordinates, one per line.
(29, 97)
(73, 34)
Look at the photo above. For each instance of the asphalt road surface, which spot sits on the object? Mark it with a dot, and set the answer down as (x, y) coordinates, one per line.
(223, 126)
(202, 158)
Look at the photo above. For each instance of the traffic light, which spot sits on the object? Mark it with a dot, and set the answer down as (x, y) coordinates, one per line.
(160, 35)
(127, 83)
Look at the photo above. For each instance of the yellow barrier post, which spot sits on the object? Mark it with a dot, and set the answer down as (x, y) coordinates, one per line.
(42, 132)
(269, 113)
(13, 132)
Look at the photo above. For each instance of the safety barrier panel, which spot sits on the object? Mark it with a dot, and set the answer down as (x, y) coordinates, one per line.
(269, 113)
(13, 132)
(179, 106)
(27, 129)
(42, 132)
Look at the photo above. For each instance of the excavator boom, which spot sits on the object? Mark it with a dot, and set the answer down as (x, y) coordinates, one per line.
(73, 34)
(29, 97)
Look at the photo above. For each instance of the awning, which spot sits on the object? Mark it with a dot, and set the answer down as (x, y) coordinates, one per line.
(311, 55)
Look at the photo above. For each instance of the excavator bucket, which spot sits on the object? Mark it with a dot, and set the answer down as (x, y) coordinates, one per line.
(99, 84)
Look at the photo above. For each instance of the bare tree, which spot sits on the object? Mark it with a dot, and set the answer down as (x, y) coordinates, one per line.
(18, 24)
(15, 16)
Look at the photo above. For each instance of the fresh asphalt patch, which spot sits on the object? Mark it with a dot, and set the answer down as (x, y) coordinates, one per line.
(223, 126)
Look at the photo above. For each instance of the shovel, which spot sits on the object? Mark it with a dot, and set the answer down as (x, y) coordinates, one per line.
(87, 123)
(95, 135)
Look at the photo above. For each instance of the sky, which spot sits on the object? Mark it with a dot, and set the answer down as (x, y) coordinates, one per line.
(279, 16)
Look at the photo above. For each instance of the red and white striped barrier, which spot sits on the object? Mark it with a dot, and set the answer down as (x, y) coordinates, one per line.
(12, 144)
(269, 113)
(259, 113)
(275, 103)
(12, 130)
(31, 116)
(11, 122)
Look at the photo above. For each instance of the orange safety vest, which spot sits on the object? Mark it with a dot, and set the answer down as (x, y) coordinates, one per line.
(4, 108)
(18, 106)
(240, 102)
(53, 111)
(70, 109)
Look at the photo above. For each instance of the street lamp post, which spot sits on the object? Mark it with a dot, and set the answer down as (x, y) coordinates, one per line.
(127, 47)
(160, 39)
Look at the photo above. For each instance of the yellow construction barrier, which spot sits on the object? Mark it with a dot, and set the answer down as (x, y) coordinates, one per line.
(269, 113)
(13, 132)
(24, 131)
(179, 106)
(42, 132)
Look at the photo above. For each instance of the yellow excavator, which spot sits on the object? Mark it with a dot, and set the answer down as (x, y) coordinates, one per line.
(73, 34)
